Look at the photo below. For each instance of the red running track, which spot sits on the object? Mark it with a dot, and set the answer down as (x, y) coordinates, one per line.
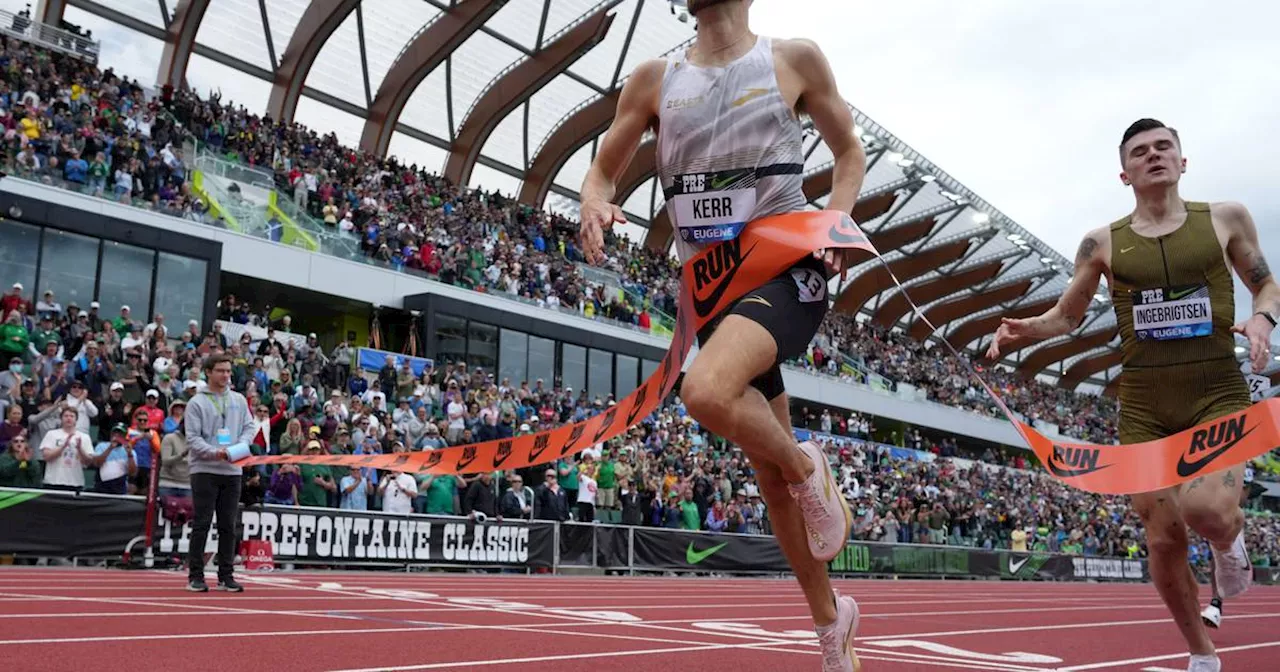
(70, 619)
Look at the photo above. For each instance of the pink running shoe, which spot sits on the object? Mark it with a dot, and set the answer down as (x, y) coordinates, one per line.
(827, 519)
(1232, 570)
(836, 639)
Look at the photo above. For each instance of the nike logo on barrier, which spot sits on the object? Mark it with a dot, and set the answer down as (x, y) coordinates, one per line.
(1016, 566)
(1126, 250)
(504, 451)
(1221, 438)
(752, 94)
(720, 265)
(468, 456)
(694, 557)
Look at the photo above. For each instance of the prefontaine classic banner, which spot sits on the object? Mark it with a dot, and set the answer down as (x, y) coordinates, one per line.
(719, 275)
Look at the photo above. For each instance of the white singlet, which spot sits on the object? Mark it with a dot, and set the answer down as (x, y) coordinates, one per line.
(730, 149)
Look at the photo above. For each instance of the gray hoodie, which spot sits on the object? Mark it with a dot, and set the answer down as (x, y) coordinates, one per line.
(206, 414)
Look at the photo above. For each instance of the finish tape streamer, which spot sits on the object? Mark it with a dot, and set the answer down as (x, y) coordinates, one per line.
(720, 275)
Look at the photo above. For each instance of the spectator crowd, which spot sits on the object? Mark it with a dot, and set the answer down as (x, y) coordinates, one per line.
(95, 400)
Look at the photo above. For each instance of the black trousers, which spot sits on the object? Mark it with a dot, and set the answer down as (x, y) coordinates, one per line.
(214, 493)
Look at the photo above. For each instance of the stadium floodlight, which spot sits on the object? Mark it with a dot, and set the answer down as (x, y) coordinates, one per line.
(927, 178)
(1100, 298)
(858, 131)
(895, 157)
(906, 163)
(1015, 237)
(1046, 260)
(981, 218)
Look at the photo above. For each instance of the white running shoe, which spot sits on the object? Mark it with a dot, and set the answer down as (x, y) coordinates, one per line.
(827, 519)
(1209, 663)
(836, 639)
(1212, 616)
(1232, 571)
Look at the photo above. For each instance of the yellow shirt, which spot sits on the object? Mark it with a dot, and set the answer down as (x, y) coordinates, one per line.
(1018, 540)
(30, 128)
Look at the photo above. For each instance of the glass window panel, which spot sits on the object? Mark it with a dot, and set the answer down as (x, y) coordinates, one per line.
(69, 266)
(513, 356)
(600, 373)
(126, 281)
(451, 339)
(19, 246)
(542, 361)
(573, 367)
(482, 346)
(624, 379)
(180, 290)
(647, 368)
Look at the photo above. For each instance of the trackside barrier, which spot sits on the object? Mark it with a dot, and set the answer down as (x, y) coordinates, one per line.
(64, 524)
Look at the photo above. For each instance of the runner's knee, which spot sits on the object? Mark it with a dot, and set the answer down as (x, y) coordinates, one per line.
(1214, 513)
(706, 400)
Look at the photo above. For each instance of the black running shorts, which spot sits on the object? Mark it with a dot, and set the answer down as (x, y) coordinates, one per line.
(790, 307)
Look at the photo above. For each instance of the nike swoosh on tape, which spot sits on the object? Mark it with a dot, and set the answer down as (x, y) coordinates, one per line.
(1014, 567)
(694, 557)
(1186, 468)
(704, 306)
(1072, 473)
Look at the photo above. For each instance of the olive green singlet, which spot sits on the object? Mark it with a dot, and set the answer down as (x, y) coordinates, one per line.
(1175, 305)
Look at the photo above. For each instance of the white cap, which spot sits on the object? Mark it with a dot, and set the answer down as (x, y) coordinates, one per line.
(94, 304)
(311, 335)
(117, 386)
(524, 427)
(192, 323)
(17, 285)
(125, 307)
(188, 384)
(153, 393)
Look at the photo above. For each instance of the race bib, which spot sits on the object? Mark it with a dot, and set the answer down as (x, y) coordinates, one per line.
(712, 207)
(1172, 313)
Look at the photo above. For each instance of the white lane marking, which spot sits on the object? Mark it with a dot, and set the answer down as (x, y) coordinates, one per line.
(1171, 656)
(946, 650)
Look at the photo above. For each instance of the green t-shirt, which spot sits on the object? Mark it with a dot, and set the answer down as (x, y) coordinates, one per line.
(606, 478)
(311, 494)
(440, 495)
(570, 481)
(689, 518)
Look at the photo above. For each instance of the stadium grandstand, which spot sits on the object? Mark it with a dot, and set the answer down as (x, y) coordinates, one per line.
(373, 212)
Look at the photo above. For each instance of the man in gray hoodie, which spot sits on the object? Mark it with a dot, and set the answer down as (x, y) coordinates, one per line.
(215, 481)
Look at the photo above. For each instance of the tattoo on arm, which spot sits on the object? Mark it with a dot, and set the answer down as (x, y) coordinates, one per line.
(1195, 484)
(1229, 479)
(1087, 248)
(1260, 271)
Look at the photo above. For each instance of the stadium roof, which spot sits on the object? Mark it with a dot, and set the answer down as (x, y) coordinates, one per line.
(514, 94)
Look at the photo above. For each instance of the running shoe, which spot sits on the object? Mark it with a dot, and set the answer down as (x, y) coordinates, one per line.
(1209, 663)
(229, 585)
(827, 519)
(1212, 616)
(1232, 571)
(197, 586)
(836, 639)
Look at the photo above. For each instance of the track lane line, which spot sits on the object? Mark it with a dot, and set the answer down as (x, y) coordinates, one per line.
(1153, 659)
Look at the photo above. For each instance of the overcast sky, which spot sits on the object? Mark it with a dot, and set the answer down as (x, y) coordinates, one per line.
(1023, 102)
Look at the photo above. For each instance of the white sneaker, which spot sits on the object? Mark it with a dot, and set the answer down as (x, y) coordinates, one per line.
(836, 639)
(1209, 663)
(827, 519)
(1212, 616)
(1232, 571)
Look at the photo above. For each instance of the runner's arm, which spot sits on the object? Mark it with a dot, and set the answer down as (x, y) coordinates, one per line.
(637, 111)
(1246, 256)
(820, 99)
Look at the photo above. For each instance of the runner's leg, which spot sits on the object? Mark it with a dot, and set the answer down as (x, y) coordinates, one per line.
(718, 394)
(1170, 571)
(788, 526)
(1211, 506)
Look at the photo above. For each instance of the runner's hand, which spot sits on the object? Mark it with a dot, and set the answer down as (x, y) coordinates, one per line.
(837, 261)
(596, 216)
(1258, 330)
(1009, 331)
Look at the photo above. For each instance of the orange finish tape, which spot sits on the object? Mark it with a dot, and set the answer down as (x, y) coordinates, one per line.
(719, 275)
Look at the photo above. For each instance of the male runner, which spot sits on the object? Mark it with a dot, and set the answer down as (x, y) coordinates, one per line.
(1168, 266)
(727, 117)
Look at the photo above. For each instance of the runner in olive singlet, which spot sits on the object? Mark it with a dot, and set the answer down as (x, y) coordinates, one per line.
(1168, 265)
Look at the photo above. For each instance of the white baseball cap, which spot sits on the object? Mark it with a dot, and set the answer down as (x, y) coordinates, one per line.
(94, 304)
(153, 393)
(117, 386)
